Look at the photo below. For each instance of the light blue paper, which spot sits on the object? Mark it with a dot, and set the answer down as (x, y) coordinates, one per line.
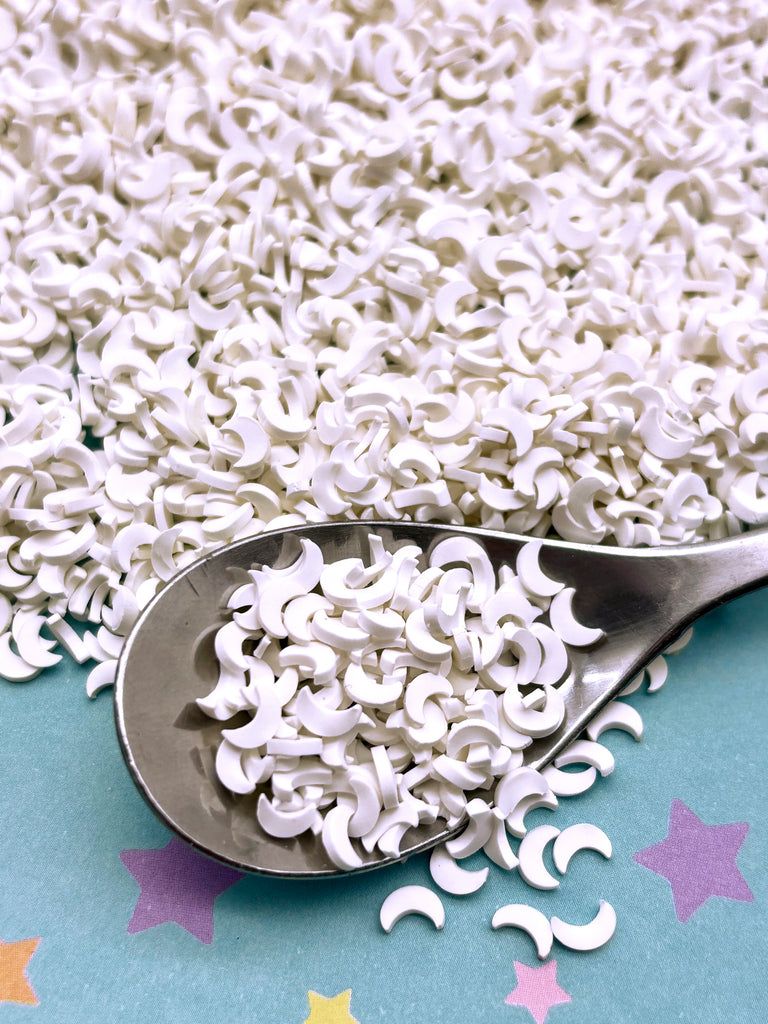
(70, 808)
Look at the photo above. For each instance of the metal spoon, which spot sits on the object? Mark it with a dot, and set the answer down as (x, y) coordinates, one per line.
(643, 599)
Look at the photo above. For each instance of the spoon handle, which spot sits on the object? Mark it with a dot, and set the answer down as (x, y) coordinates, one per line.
(643, 599)
(725, 569)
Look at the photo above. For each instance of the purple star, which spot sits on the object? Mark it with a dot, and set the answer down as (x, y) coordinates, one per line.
(698, 860)
(177, 884)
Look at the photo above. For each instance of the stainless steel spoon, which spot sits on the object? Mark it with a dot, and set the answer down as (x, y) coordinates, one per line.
(643, 599)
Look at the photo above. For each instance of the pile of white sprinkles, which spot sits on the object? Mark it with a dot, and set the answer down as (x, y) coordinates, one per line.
(389, 691)
(383, 692)
(488, 263)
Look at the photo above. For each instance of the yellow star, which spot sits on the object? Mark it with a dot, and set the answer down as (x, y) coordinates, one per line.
(330, 1011)
(14, 957)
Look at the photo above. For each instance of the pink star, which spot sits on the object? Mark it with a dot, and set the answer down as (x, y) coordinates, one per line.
(698, 860)
(537, 990)
(177, 884)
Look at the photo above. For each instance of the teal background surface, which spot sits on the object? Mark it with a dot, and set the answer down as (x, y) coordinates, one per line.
(70, 809)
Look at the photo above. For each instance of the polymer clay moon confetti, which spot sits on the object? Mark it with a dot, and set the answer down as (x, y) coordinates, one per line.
(468, 265)
(428, 729)
(452, 265)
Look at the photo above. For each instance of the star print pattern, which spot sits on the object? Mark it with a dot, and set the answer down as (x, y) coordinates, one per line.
(330, 1011)
(178, 885)
(698, 860)
(537, 990)
(14, 984)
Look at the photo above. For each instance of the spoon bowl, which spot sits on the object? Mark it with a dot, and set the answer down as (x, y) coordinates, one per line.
(642, 599)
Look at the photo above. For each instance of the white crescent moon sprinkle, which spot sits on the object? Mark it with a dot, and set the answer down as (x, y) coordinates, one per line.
(411, 899)
(528, 919)
(585, 937)
(451, 877)
(566, 625)
(587, 752)
(569, 783)
(531, 573)
(616, 715)
(531, 856)
(579, 837)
